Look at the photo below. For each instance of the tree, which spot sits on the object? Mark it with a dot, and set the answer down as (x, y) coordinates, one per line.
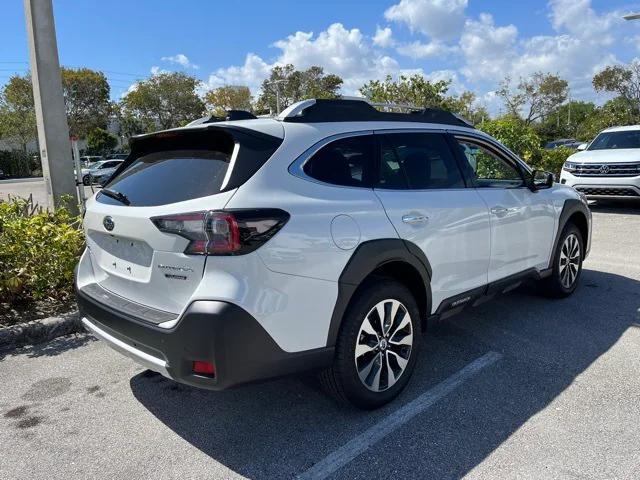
(568, 121)
(613, 113)
(623, 80)
(165, 100)
(229, 97)
(465, 106)
(100, 142)
(86, 97)
(538, 96)
(17, 111)
(415, 90)
(515, 133)
(293, 85)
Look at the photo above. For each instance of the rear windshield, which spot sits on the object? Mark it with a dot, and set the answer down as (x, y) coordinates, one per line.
(181, 166)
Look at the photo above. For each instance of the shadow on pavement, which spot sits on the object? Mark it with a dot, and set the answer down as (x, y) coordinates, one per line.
(51, 348)
(627, 206)
(279, 429)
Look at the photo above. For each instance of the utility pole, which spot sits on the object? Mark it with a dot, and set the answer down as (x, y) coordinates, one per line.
(277, 84)
(53, 131)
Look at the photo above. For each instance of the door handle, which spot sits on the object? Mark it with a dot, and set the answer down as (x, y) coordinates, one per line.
(414, 219)
(499, 210)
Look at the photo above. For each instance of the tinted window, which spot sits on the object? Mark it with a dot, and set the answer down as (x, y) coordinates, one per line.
(487, 168)
(171, 176)
(347, 162)
(417, 161)
(616, 140)
(175, 166)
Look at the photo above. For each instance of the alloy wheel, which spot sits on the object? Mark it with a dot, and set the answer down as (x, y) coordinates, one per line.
(383, 345)
(570, 256)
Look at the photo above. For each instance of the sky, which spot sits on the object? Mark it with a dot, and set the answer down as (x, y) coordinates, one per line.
(474, 43)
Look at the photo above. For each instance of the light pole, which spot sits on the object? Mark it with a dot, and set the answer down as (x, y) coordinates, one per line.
(277, 84)
(51, 117)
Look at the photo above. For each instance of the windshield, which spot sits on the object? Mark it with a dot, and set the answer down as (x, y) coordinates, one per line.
(616, 140)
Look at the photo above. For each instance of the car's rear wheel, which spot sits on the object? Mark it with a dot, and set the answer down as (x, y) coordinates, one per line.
(377, 347)
(86, 180)
(567, 263)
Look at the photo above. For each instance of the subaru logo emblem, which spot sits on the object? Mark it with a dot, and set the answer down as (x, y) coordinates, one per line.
(604, 169)
(108, 223)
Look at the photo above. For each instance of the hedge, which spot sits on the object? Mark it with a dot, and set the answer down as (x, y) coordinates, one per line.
(38, 252)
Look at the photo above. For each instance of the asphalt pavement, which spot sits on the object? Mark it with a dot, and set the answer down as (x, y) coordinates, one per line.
(520, 387)
(32, 186)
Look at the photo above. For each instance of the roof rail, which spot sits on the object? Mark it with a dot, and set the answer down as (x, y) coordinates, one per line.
(355, 109)
(230, 115)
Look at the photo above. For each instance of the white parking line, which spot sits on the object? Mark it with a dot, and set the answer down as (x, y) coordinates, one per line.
(350, 450)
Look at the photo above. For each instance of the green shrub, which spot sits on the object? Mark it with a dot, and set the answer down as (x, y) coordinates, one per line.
(515, 134)
(38, 252)
(552, 160)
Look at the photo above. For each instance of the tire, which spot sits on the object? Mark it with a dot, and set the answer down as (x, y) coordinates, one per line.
(567, 264)
(362, 381)
(86, 180)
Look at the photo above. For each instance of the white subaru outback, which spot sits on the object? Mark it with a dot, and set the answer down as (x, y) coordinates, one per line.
(325, 239)
(609, 166)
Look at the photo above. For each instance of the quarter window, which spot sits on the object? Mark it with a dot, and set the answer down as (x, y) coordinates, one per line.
(347, 162)
(487, 168)
(417, 161)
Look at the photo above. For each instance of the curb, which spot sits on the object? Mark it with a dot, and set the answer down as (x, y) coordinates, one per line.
(39, 331)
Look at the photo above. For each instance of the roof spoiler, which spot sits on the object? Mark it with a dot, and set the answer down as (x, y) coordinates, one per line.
(230, 115)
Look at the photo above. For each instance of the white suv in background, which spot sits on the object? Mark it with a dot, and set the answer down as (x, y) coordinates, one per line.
(227, 252)
(609, 166)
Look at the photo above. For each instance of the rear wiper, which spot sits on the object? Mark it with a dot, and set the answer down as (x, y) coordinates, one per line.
(121, 197)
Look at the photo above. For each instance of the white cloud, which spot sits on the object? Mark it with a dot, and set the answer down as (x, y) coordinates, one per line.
(417, 50)
(439, 19)
(180, 59)
(488, 49)
(344, 52)
(155, 70)
(472, 50)
(578, 18)
(383, 37)
(251, 73)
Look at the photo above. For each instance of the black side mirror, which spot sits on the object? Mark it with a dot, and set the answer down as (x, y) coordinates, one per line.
(541, 180)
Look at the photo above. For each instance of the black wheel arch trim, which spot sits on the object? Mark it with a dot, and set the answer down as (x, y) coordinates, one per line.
(368, 257)
(572, 206)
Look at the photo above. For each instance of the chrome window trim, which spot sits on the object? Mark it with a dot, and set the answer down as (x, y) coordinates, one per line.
(296, 168)
(232, 163)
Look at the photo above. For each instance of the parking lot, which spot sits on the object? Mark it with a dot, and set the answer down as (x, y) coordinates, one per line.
(521, 387)
(34, 187)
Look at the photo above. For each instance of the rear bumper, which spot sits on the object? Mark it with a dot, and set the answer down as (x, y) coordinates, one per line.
(218, 332)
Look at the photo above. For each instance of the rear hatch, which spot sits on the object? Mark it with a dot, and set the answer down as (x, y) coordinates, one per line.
(167, 175)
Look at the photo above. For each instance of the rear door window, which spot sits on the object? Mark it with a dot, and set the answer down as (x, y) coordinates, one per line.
(417, 161)
(178, 166)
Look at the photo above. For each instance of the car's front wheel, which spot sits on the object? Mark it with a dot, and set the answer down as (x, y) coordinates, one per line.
(567, 263)
(86, 180)
(377, 347)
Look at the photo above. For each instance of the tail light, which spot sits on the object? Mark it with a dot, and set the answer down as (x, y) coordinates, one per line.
(224, 232)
